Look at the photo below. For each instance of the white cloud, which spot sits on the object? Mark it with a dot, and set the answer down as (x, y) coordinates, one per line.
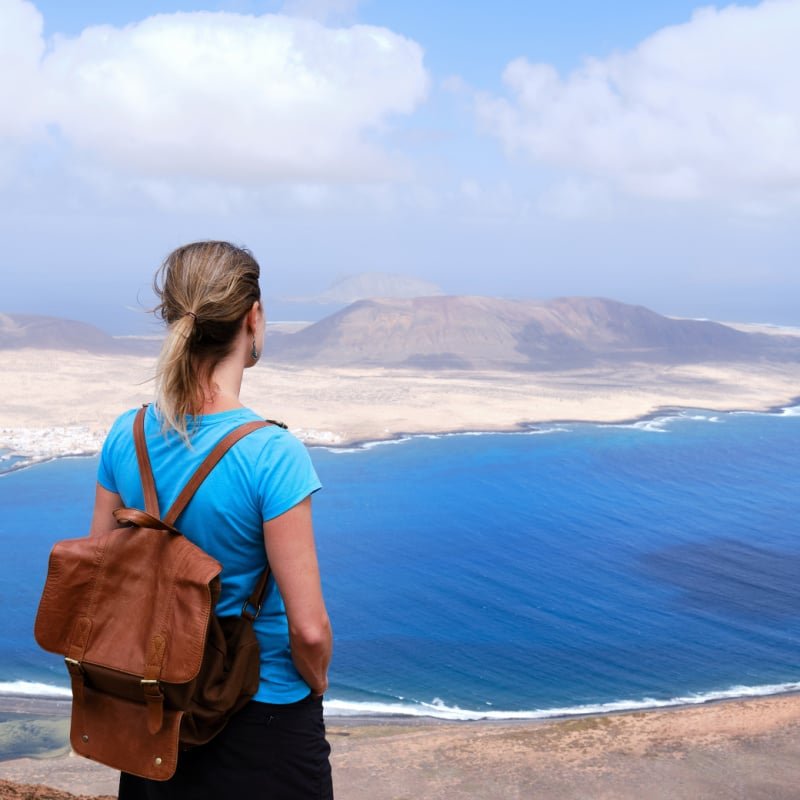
(218, 96)
(21, 48)
(707, 109)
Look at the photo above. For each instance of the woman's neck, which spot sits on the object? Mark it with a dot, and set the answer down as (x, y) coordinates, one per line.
(222, 391)
(215, 401)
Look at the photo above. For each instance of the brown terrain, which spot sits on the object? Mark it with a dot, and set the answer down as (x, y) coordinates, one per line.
(37, 791)
(463, 333)
(478, 333)
(732, 750)
(19, 331)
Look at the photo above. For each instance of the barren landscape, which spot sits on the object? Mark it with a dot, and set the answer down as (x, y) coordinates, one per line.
(60, 403)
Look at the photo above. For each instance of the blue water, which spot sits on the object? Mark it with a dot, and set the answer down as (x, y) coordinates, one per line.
(579, 568)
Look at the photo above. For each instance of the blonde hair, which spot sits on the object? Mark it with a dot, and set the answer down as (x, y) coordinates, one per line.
(205, 289)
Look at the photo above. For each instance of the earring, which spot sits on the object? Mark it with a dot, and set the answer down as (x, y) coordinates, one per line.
(255, 355)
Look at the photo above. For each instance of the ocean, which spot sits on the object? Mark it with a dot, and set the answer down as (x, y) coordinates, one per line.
(570, 568)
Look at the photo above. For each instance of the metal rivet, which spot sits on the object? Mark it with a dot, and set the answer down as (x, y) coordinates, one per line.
(85, 737)
(158, 761)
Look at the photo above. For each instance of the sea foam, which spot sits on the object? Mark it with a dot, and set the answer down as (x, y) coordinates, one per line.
(438, 709)
(33, 689)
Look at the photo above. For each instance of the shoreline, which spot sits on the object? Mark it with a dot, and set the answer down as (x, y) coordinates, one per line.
(64, 404)
(49, 707)
(528, 428)
(60, 705)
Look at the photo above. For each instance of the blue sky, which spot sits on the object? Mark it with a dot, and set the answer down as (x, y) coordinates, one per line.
(644, 151)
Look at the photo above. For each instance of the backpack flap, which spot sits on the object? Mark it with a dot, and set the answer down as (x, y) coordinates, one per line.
(113, 731)
(116, 599)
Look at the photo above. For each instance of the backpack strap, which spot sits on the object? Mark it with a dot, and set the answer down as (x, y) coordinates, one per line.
(200, 474)
(145, 470)
(211, 461)
(256, 598)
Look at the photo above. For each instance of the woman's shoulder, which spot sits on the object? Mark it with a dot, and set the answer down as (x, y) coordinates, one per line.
(118, 449)
(274, 440)
(271, 442)
(122, 425)
(264, 444)
(126, 418)
(281, 469)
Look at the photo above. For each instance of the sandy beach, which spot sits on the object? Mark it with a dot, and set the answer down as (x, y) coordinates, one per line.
(60, 403)
(720, 751)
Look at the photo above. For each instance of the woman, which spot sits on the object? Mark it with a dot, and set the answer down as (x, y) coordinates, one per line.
(258, 497)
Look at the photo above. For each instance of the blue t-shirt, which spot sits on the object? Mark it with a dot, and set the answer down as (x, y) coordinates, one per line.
(261, 476)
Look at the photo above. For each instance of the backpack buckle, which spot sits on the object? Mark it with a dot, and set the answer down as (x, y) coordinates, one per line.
(74, 666)
(76, 675)
(246, 614)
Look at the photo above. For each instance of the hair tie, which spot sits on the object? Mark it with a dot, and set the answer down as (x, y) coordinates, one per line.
(191, 314)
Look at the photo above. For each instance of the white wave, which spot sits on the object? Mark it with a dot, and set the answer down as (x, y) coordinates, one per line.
(341, 450)
(439, 710)
(655, 425)
(661, 424)
(385, 442)
(532, 431)
(32, 689)
(542, 431)
(786, 411)
(362, 446)
(407, 437)
(402, 439)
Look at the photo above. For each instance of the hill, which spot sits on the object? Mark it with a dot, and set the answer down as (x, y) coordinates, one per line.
(460, 333)
(485, 332)
(52, 333)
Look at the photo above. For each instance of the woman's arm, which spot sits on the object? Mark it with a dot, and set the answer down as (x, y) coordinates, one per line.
(105, 503)
(289, 539)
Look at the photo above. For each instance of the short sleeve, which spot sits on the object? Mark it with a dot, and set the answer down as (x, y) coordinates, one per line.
(105, 469)
(286, 475)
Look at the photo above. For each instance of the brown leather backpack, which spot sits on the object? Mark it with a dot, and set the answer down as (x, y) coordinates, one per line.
(153, 669)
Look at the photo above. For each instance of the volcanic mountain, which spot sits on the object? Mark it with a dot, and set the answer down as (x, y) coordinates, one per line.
(459, 333)
(485, 332)
(29, 330)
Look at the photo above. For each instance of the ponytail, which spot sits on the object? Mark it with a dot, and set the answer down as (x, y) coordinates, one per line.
(206, 289)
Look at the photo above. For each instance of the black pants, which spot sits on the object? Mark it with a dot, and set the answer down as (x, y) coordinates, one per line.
(278, 752)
